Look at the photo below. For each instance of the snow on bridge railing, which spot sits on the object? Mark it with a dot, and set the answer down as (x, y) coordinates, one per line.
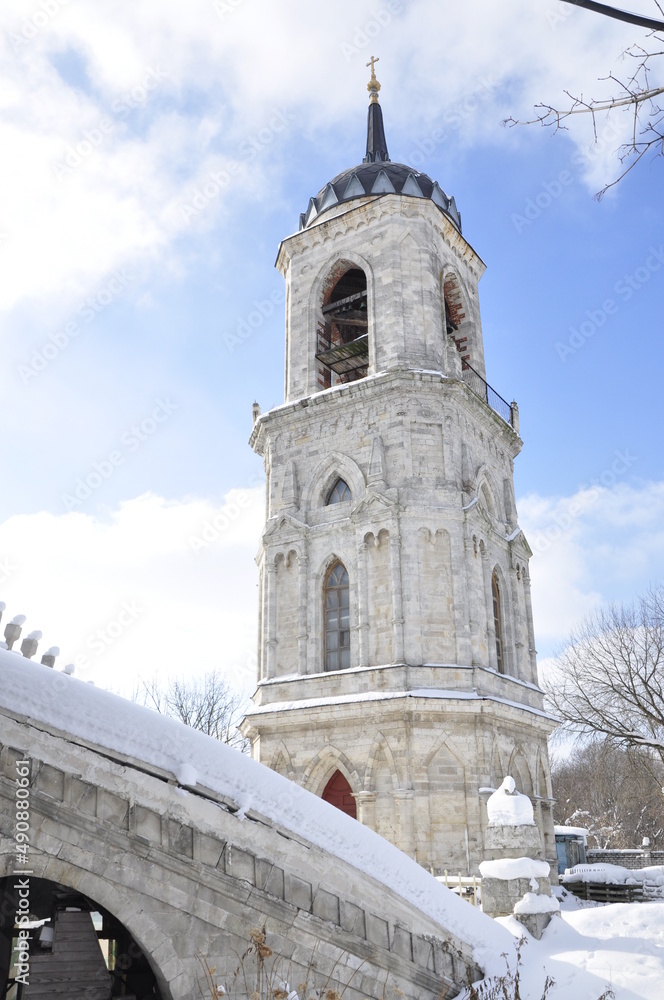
(30, 643)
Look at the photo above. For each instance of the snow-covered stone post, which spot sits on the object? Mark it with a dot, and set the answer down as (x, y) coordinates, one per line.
(13, 630)
(30, 643)
(48, 659)
(511, 832)
(513, 880)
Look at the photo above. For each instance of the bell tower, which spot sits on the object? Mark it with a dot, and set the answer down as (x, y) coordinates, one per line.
(397, 674)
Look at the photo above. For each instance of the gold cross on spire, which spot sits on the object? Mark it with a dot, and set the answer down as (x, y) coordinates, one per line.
(373, 85)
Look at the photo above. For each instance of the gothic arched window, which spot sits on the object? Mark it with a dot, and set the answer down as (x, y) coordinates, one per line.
(498, 622)
(337, 618)
(339, 493)
(338, 793)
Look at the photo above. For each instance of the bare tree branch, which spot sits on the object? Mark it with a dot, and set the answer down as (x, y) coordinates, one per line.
(609, 679)
(636, 95)
(208, 705)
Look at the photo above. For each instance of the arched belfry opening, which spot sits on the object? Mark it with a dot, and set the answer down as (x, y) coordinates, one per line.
(338, 793)
(455, 316)
(343, 335)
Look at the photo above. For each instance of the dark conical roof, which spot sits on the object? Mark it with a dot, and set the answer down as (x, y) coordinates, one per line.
(377, 176)
(376, 141)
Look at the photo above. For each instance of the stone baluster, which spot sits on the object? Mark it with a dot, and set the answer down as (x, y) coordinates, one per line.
(48, 659)
(30, 643)
(13, 630)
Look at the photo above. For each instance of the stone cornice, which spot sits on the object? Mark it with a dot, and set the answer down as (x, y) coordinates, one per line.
(374, 210)
(464, 703)
(379, 382)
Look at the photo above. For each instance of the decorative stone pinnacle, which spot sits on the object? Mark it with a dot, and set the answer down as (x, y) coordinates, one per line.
(373, 85)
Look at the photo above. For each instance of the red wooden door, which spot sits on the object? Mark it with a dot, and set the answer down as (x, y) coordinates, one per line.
(338, 793)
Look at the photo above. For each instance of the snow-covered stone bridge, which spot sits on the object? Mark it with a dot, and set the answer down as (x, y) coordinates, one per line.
(190, 845)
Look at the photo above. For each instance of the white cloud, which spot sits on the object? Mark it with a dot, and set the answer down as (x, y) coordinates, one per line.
(216, 72)
(171, 585)
(602, 543)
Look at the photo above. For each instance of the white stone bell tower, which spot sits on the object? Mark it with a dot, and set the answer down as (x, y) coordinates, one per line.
(397, 673)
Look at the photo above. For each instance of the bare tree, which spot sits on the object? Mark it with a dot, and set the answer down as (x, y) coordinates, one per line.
(615, 793)
(633, 92)
(208, 705)
(609, 679)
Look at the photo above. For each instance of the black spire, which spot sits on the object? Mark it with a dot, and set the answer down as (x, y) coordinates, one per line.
(376, 141)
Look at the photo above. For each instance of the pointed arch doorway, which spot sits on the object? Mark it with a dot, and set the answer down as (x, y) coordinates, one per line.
(338, 793)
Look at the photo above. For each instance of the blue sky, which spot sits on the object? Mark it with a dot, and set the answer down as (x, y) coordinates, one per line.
(155, 156)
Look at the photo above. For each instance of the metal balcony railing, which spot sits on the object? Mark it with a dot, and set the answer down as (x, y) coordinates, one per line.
(486, 392)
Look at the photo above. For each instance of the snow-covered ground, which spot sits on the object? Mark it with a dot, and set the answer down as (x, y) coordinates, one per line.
(592, 947)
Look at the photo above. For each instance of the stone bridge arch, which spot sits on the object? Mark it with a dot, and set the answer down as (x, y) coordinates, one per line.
(187, 872)
(143, 927)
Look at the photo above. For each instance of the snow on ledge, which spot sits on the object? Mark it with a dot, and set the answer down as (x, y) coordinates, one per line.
(532, 902)
(574, 831)
(47, 698)
(614, 874)
(509, 868)
(507, 807)
(346, 699)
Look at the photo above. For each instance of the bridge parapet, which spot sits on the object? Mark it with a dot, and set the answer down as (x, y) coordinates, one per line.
(187, 874)
(28, 648)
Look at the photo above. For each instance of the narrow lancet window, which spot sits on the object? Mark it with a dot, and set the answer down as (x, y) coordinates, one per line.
(337, 618)
(498, 623)
(339, 493)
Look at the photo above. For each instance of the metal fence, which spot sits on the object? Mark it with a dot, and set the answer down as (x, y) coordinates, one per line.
(486, 392)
